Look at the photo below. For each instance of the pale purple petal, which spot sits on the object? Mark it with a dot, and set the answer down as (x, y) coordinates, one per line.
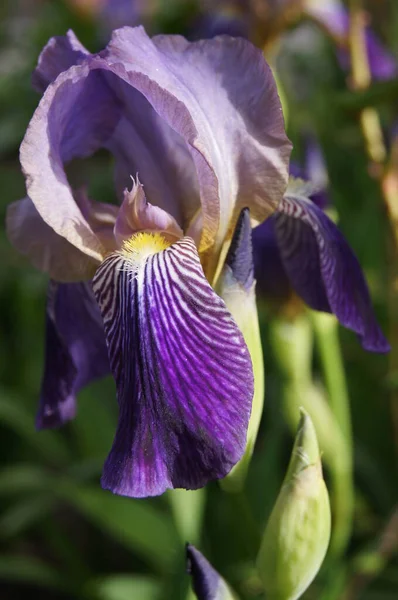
(76, 351)
(75, 117)
(220, 96)
(206, 582)
(47, 250)
(183, 374)
(136, 214)
(60, 53)
(144, 144)
(323, 269)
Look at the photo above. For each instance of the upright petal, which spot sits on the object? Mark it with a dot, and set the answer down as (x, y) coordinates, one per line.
(183, 372)
(60, 53)
(323, 269)
(220, 96)
(75, 350)
(206, 582)
(75, 117)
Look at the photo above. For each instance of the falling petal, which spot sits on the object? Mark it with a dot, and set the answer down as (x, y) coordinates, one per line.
(323, 269)
(182, 369)
(75, 350)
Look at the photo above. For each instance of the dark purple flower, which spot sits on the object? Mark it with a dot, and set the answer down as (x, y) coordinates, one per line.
(206, 582)
(300, 248)
(202, 125)
(76, 352)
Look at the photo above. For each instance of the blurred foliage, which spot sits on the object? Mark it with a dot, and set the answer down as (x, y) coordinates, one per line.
(61, 536)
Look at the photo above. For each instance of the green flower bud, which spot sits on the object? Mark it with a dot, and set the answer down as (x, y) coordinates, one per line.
(236, 287)
(298, 531)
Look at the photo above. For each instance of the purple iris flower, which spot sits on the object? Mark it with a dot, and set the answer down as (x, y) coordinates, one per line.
(132, 288)
(300, 249)
(335, 17)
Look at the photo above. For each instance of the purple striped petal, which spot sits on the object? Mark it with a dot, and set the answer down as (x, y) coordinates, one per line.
(75, 350)
(323, 269)
(182, 369)
(206, 582)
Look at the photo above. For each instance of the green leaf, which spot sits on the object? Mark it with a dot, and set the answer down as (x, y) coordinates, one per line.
(29, 570)
(24, 514)
(49, 444)
(126, 587)
(134, 523)
(23, 478)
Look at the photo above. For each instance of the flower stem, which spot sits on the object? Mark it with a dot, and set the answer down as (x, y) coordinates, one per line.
(326, 332)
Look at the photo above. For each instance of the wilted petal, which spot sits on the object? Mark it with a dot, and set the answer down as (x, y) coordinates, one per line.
(136, 214)
(75, 350)
(220, 96)
(47, 250)
(183, 372)
(323, 269)
(60, 53)
(75, 117)
(206, 582)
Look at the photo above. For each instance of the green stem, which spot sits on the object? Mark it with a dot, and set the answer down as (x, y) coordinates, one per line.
(327, 339)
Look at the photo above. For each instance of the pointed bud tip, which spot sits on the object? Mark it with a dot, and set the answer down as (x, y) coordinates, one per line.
(240, 253)
(306, 438)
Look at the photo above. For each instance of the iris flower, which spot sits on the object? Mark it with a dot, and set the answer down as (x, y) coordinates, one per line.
(133, 282)
(157, 286)
(335, 18)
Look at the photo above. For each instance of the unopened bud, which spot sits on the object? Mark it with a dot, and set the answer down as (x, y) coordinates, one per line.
(298, 531)
(206, 582)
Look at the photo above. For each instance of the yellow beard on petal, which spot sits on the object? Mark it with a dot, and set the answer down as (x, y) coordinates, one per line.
(141, 245)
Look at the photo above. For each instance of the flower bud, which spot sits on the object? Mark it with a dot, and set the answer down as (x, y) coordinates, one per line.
(206, 582)
(298, 531)
(236, 286)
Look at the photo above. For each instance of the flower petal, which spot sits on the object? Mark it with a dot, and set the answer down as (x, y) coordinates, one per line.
(75, 117)
(136, 214)
(183, 373)
(272, 282)
(75, 350)
(323, 269)
(47, 250)
(220, 96)
(60, 53)
(206, 582)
